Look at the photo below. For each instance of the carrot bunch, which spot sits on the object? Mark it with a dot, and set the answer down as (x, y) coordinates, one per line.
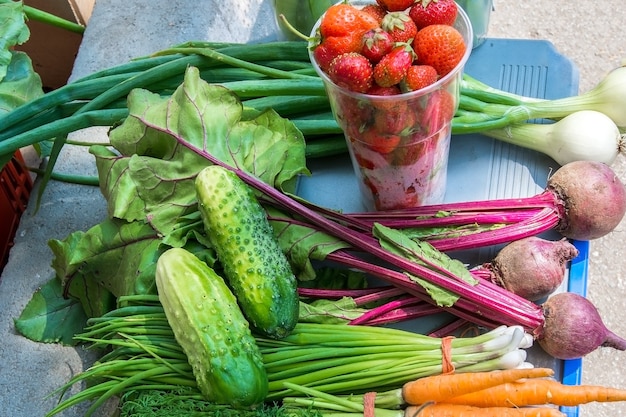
(529, 392)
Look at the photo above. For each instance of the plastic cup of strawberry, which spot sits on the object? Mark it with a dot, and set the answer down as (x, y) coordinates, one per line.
(397, 126)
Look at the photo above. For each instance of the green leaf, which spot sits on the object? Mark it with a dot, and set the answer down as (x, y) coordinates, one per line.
(426, 255)
(21, 84)
(302, 244)
(50, 318)
(104, 261)
(330, 311)
(161, 148)
(13, 31)
(116, 258)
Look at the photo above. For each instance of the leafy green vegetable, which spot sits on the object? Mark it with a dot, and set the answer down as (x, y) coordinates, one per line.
(423, 253)
(49, 317)
(20, 84)
(147, 180)
(162, 141)
(13, 31)
(330, 312)
(302, 244)
(184, 402)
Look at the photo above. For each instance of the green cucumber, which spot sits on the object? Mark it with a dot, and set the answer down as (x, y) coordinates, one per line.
(213, 332)
(254, 265)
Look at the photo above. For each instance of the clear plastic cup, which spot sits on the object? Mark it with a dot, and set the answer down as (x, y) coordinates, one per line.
(479, 13)
(399, 144)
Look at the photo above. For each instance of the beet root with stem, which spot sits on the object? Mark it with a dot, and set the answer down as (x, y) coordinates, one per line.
(593, 196)
(573, 328)
(532, 267)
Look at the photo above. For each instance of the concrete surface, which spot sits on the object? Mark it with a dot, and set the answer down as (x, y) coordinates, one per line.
(589, 33)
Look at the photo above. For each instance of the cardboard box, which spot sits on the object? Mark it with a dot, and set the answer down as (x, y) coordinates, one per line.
(51, 49)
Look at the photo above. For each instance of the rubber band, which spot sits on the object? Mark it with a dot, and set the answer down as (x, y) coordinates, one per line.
(369, 404)
(447, 367)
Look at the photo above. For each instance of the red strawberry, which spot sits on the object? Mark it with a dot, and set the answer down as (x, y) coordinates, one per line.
(333, 46)
(392, 68)
(394, 119)
(395, 5)
(379, 142)
(376, 11)
(351, 71)
(376, 44)
(377, 90)
(400, 26)
(418, 77)
(438, 112)
(343, 19)
(441, 46)
(433, 12)
(351, 115)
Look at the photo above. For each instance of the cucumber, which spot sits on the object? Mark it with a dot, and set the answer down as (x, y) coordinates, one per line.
(213, 332)
(254, 265)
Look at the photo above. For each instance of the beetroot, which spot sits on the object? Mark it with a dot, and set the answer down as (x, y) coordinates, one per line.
(583, 200)
(532, 267)
(594, 199)
(573, 328)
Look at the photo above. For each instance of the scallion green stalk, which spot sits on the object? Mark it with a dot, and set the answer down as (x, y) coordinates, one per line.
(143, 354)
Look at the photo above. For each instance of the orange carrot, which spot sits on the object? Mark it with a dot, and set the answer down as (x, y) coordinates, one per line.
(539, 392)
(458, 410)
(438, 388)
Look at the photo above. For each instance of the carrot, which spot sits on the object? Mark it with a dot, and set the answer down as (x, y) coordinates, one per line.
(459, 410)
(539, 392)
(438, 388)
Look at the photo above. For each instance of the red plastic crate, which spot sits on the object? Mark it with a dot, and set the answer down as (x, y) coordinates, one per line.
(15, 187)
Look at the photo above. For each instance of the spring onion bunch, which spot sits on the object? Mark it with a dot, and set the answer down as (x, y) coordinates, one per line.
(588, 126)
(142, 354)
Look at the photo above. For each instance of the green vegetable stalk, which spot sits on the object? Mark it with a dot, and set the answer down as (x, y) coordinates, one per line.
(142, 354)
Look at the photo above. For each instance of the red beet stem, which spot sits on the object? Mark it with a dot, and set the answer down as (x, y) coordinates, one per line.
(374, 315)
(487, 304)
(339, 293)
(514, 218)
(404, 313)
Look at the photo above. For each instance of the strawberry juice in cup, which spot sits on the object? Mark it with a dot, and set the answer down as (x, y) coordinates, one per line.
(399, 143)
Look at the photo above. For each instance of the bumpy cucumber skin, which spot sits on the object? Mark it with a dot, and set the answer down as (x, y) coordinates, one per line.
(210, 327)
(254, 265)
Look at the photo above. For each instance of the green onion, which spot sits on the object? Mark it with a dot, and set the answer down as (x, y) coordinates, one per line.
(144, 355)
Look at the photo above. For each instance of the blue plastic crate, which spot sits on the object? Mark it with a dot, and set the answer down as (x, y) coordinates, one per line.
(481, 168)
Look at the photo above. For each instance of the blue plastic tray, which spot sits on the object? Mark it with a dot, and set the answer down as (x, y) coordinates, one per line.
(481, 168)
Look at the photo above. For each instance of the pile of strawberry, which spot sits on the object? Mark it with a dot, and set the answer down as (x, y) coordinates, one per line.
(398, 142)
(390, 47)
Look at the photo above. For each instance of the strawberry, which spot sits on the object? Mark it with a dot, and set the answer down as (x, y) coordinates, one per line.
(376, 44)
(333, 46)
(392, 68)
(433, 12)
(400, 26)
(441, 46)
(438, 112)
(343, 19)
(395, 5)
(394, 119)
(418, 77)
(352, 114)
(377, 90)
(376, 11)
(351, 71)
(379, 142)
